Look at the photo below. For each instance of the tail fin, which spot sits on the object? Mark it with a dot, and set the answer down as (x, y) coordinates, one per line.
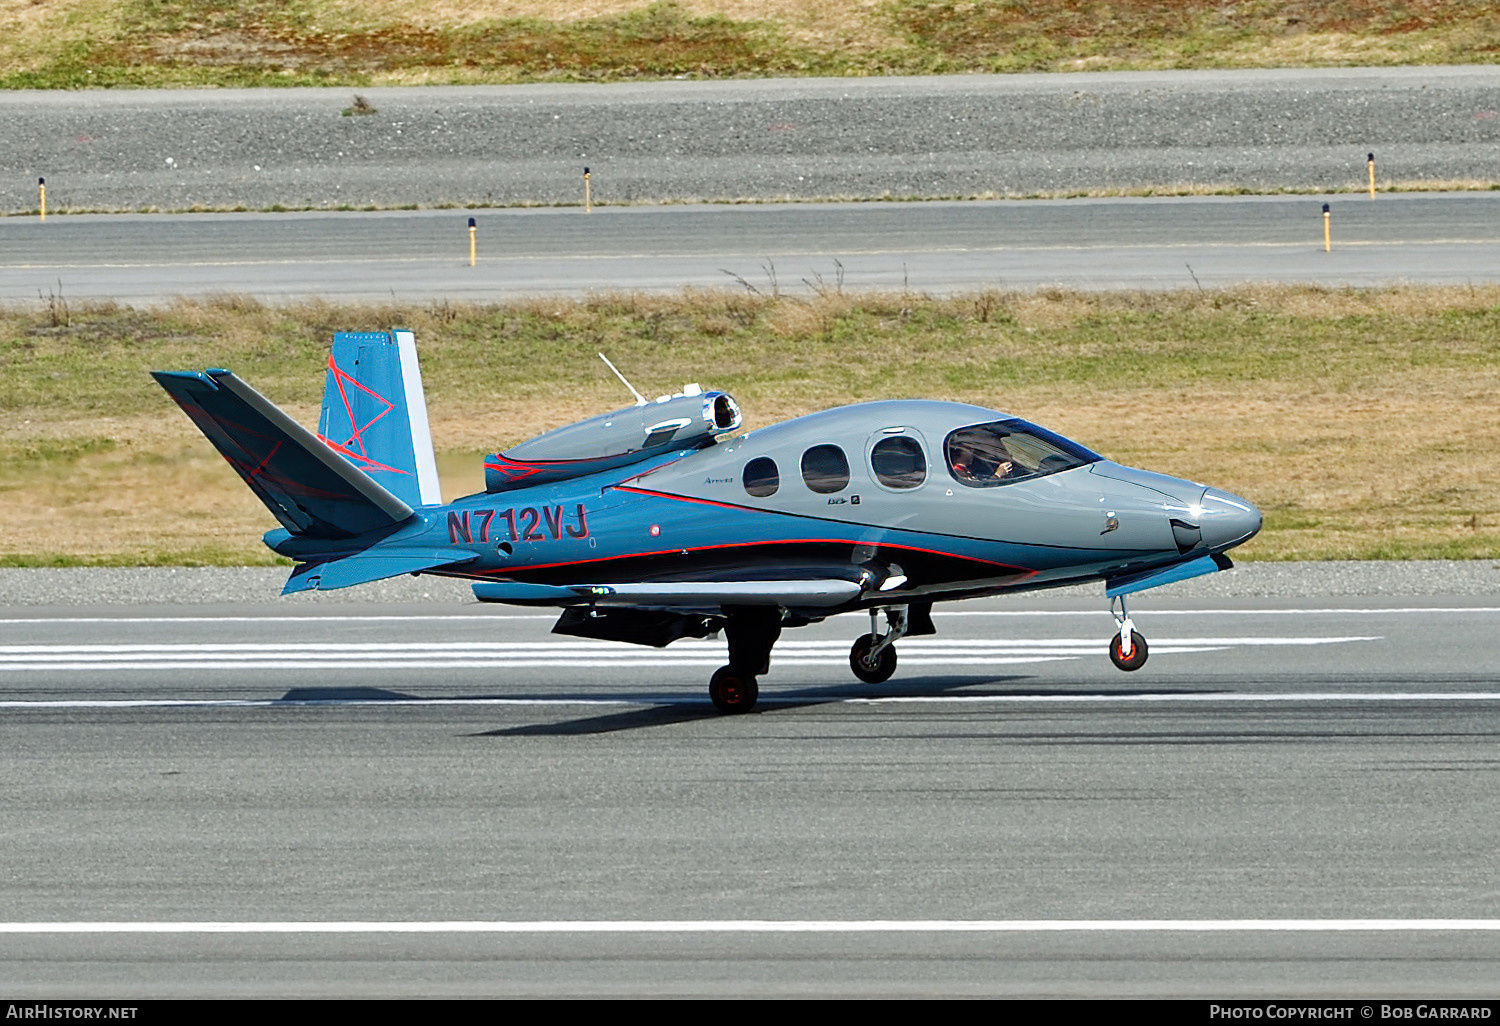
(375, 414)
(312, 490)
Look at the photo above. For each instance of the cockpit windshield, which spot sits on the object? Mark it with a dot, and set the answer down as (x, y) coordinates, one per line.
(986, 455)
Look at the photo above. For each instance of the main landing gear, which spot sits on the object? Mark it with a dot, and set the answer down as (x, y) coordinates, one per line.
(733, 690)
(873, 657)
(752, 632)
(1127, 650)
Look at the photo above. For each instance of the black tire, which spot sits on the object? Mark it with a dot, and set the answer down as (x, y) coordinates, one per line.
(872, 673)
(1138, 652)
(732, 691)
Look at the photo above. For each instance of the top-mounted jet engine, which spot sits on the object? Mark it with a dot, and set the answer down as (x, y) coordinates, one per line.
(691, 419)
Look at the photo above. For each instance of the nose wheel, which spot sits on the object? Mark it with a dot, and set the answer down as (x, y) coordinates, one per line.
(1133, 658)
(1127, 650)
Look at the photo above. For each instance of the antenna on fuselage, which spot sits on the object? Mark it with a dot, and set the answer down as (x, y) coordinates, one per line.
(640, 400)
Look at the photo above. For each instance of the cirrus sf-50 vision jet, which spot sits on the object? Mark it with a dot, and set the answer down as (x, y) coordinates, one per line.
(664, 520)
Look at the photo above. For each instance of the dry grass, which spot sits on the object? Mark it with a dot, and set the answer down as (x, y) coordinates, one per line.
(79, 43)
(1361, 421)
(856, 23)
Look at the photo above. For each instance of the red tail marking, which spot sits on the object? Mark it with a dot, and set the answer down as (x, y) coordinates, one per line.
(357, 438)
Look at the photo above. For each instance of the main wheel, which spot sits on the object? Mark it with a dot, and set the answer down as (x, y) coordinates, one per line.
(732, 691)
(876, 670)
(1138, 652)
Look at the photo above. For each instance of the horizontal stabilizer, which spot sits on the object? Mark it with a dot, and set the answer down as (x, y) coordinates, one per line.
(371, 565)
(312, 490)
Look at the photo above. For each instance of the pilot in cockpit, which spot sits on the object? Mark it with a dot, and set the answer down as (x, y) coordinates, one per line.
(980, 460)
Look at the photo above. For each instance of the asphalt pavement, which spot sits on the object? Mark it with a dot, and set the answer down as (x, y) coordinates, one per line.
(938, 247)
(1291, 798)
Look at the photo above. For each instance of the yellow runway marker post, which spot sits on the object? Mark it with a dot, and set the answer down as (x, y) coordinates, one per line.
(1370, 163)
(588, 193)
(41, 187)
(1327, 230)
(472, 253)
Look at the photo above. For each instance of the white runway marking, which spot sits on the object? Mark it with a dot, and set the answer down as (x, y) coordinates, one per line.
(573, 653)
(1205, 696)
(310, 618)
(491, 615)
(1148, 612)
(271, 703)
(767, 698)
(775, 926)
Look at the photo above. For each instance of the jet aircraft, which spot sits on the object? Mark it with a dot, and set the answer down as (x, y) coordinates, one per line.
(662, 520)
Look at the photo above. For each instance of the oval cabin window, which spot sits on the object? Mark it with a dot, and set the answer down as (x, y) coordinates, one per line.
(898, 462)
(825, 469)
(761, 477)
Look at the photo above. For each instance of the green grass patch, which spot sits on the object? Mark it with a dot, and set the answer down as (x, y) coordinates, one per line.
(72, 44)
(203, 555)
(1012, 35)
(154, 43)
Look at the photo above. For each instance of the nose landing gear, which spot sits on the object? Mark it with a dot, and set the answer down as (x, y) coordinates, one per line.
(873, 656)
(1127, 650)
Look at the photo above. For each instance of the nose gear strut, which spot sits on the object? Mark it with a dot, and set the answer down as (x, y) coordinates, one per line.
(1127, 649)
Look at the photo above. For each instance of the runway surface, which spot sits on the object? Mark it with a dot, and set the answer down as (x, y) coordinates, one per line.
(933, 247)
(1292, 797)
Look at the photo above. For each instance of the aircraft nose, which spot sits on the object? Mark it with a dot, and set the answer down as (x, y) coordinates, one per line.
(1227, 520)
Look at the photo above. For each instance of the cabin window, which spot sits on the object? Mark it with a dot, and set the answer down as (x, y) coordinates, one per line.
(898, 462)
(987, 455)
(761, 477)
(825, 469)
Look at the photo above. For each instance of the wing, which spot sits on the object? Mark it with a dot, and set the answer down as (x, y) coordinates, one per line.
(818, 594)
(657, 613)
